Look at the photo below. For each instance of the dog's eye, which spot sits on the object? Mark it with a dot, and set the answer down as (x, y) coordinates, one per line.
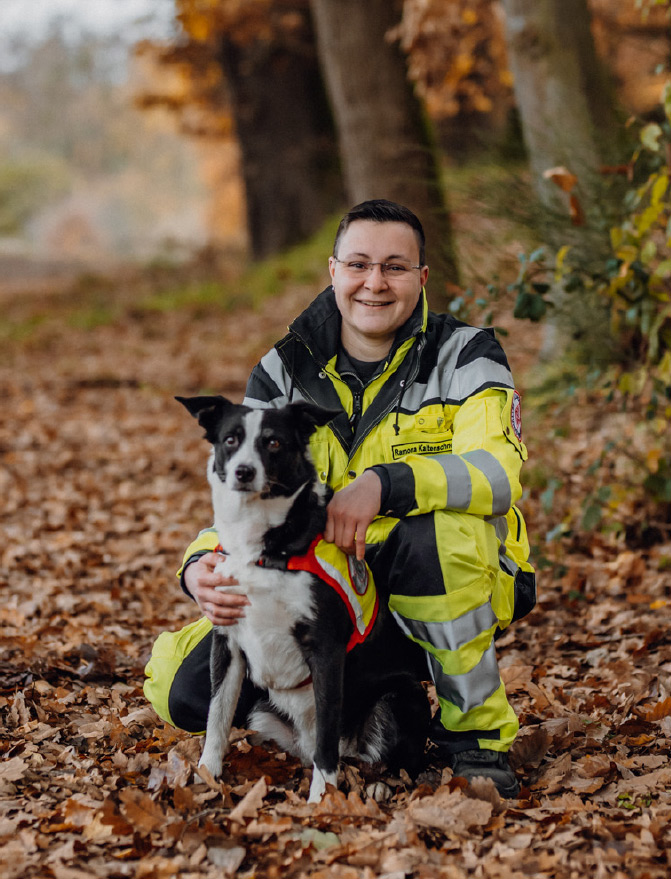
(230, 441)
(274, 444)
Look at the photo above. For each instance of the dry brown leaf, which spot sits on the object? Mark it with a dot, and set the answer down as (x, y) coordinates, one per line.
(529, 748)
(249, 805)
(516, 677)
(450, 812)
(141, 811)
(481, 788)
(336, 803)
(12, 769)
(554, 775)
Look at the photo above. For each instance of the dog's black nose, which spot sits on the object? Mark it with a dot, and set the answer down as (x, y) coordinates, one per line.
(244, 473)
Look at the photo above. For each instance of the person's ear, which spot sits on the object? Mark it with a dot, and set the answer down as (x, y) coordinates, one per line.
(423, 275)
(332, 265)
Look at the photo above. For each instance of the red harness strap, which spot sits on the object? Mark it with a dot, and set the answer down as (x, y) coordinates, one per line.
(310, 563)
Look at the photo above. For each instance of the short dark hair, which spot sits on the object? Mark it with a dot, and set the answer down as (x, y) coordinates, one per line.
(379, 210)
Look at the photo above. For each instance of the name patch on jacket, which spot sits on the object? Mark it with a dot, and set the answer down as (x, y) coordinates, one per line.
(439, 447)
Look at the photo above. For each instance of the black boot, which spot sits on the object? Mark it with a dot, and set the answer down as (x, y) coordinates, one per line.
(488, 764)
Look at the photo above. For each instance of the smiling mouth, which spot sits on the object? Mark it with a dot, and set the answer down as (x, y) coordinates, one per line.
(373, 304)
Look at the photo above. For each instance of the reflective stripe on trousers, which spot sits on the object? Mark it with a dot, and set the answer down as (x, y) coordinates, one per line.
(444, 581)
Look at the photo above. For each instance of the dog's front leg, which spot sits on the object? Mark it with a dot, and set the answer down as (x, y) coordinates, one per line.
(328, 674)
(227, 669)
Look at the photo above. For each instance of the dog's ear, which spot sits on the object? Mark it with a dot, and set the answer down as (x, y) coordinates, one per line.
(309, 416)
(208, 411)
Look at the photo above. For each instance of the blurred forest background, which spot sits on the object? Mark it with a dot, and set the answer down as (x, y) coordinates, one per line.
(164, 214)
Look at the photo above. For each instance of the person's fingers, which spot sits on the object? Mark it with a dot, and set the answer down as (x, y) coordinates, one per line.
(329, 530)
(221, 608)
(360, 541)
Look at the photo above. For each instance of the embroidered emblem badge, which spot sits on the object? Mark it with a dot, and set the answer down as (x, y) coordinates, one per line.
(516, 415)
(358, 574)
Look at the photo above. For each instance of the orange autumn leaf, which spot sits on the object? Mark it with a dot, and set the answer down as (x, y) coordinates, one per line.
(562, 177)
(660, 710)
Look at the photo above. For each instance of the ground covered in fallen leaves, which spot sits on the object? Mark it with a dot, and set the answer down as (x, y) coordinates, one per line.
(102, 486)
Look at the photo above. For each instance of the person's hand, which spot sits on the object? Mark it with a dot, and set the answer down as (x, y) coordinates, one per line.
(350, 512)
(221, 608)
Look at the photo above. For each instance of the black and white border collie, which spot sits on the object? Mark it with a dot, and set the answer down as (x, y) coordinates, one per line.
(323, 701)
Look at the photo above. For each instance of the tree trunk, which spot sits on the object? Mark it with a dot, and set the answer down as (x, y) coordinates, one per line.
(385, 145)
(563, 94)
(287, 140)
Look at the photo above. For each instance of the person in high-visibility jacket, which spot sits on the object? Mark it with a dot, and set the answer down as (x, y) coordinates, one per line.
(424, 455)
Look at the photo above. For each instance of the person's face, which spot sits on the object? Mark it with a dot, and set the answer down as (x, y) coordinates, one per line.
(374, 305)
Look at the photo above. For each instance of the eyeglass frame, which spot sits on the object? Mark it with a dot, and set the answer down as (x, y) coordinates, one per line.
(370, 265)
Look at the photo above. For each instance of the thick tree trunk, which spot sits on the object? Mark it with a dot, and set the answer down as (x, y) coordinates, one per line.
(287, 140)
(563, 93)
(385, 145)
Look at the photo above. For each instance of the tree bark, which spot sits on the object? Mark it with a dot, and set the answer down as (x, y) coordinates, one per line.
(287, 139)
(563, 94)
(385, 144)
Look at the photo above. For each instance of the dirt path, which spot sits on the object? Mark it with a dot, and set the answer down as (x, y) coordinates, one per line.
(102, 486)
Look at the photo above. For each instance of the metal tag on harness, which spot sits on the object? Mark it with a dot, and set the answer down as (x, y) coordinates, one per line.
(358, 574)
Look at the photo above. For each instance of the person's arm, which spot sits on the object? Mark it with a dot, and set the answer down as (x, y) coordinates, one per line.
(481, 474)
(199, 581)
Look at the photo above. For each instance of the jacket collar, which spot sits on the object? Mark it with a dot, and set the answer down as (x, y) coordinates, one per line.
(318, 327)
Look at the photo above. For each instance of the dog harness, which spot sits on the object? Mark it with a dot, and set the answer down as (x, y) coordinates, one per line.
(349, 577)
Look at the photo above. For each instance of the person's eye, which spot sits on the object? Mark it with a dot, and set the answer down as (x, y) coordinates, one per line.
(396, 268)
(356, 266)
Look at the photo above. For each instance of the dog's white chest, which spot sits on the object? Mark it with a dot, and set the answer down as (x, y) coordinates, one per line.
(278, 600)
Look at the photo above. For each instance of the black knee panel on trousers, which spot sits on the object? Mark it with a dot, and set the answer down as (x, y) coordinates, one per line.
(407, 563)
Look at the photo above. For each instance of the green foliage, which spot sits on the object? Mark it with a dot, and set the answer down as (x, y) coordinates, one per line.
(626, 356)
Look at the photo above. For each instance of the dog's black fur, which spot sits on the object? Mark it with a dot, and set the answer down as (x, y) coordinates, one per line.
(269, 505)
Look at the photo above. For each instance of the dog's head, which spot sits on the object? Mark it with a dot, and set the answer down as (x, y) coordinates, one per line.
(261, 451)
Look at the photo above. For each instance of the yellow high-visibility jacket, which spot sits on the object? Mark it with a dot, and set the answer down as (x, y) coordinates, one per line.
(439, 423)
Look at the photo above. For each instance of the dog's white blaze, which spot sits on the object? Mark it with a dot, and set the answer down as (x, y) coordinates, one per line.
(247, 455)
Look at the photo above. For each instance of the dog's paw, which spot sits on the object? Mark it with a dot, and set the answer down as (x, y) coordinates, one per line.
(378, 791)
(319, 781)
(212, 763)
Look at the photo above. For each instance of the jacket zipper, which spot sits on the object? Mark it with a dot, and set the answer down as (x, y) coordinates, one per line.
(389, 408)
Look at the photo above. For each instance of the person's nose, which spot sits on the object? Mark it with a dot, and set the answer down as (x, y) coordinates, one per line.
(376, 279)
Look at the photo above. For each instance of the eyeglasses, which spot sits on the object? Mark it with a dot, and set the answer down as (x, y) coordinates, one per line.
(359, 268)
